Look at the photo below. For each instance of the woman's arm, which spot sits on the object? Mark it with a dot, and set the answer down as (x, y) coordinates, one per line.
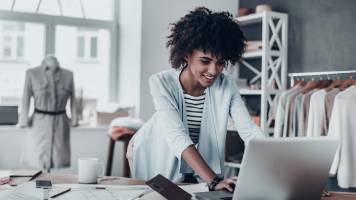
(171, 125)
(198, 164)
(246, 128)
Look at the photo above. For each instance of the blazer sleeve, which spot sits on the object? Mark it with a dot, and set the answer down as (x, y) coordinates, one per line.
(169, 121)
(246, 128)
(73, 104)
(26, 99)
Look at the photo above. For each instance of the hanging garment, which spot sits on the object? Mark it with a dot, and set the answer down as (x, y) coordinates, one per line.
(273, 111)
(296, 110)
(287, 115)
(280, 114)
(343, 126)
(329, 103)
(317, 115)
(47, 140)
(303, 117)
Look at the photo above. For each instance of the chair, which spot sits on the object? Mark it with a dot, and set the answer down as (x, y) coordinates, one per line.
(125, 139)
(124, 128)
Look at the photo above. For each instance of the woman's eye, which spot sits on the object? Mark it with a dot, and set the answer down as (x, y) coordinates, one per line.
(205, 62)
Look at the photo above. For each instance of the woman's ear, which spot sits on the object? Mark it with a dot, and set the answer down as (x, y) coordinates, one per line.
(185, 62)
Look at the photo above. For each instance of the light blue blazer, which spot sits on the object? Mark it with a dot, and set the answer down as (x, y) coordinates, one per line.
(158, 145)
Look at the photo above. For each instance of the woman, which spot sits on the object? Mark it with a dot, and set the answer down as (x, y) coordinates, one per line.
(193, 101)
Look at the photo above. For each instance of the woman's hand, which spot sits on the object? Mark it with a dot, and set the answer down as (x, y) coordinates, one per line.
(227, 184)
(117, 132)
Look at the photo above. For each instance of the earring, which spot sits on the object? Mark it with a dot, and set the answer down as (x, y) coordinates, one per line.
(185, 63)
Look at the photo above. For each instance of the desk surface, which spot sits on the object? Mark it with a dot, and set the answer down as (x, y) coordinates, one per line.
(112, 180)
(106, 180)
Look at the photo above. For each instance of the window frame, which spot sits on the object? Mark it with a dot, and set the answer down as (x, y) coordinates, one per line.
(50, 22)
(13, 35)
(87, 36)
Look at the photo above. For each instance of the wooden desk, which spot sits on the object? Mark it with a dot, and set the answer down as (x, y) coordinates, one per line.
(73, 179)
(112, 180)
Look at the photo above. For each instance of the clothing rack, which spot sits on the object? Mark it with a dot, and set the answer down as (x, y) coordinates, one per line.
(319, 74)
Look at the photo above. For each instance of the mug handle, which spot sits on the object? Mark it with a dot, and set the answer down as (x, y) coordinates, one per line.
(100, 169)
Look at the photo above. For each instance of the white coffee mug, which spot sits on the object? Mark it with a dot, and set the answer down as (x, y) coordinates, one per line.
(89, 170)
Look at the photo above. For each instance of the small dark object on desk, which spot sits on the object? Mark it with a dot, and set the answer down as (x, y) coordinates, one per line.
(43, 184)
(167, 188)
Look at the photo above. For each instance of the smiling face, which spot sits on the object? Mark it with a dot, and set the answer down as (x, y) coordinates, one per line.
(204, 68)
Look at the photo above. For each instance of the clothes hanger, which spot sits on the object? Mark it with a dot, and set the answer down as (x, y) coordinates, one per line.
(337, 82)
(302, 82)
(322, 84)
(347, 83)
(325, 83)
(299, 82)
(332, 84)
(296, 81)
(310, 85)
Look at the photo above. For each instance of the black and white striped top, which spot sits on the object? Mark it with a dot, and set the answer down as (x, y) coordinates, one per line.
(194, 109)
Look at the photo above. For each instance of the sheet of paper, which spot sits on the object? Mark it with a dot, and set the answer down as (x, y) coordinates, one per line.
(13, 195)
(194, 188)
(119, 192)
(127, 194)
(91, 186)
(29, 189)
(87, 194)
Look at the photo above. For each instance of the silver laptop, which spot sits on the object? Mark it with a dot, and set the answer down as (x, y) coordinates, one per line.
(282, 169)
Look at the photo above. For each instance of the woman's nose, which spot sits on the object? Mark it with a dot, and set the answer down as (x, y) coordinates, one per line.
(213, 69)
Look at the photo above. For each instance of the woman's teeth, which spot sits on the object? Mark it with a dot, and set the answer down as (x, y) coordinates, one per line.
(209, 77)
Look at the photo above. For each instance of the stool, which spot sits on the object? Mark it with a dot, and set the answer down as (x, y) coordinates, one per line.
(125, 139)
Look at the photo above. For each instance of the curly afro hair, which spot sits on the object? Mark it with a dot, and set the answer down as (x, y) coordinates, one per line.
(202, 29)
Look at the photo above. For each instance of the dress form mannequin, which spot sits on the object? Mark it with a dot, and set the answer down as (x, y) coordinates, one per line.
(51, 62)
(51, 88)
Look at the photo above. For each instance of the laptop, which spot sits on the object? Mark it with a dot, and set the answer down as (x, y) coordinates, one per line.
(281, 169)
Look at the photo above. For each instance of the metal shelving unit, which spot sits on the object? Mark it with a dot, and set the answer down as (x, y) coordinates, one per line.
(273, 70)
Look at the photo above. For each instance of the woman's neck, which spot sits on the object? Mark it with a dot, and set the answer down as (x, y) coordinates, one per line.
(189, 84)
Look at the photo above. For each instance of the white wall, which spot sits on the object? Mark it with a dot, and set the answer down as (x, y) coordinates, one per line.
(129, 52)
(156, 16)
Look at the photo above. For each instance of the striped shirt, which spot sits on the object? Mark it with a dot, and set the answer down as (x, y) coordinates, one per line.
(194, 109)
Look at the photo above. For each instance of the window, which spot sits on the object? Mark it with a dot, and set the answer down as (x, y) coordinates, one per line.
(81, 33)
(78, 49)
(86, 9)
(87, 45)
(12, 40)
(22, 47)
